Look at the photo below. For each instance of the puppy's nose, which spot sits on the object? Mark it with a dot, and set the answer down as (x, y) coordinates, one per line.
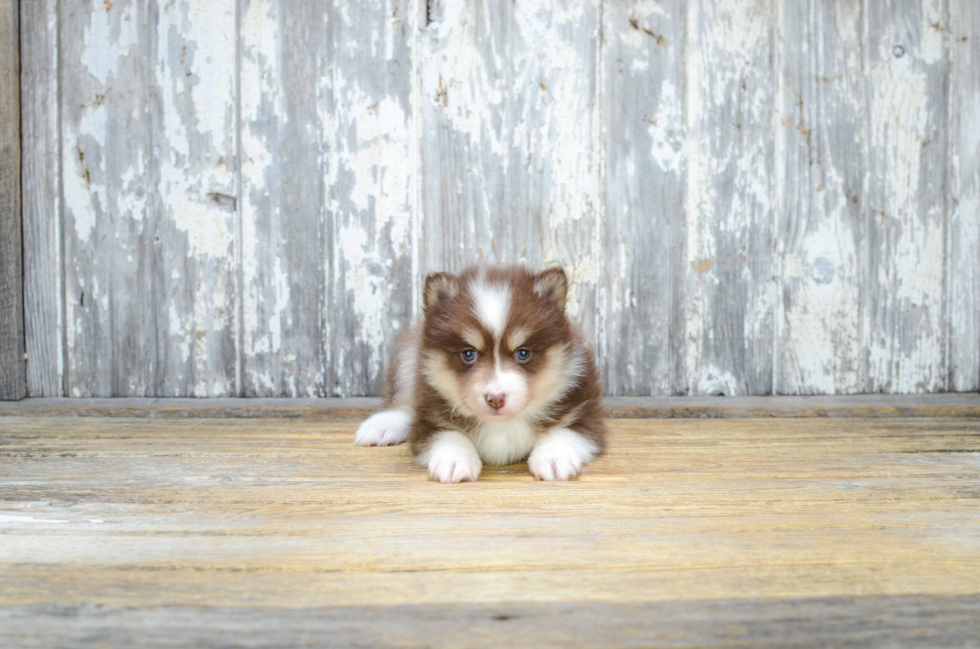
(496, 400)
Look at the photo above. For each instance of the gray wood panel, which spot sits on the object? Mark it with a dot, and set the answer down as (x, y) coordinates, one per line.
(13, 376)
(148, 158)
(43, 290)
(285, 103)
(106, 167)
(329, 193)
(193, 204)
(729, 266)
(821, 221)
(510, 159)
(963, 203)
(641, 336)
(373, 215)
(243, 198)
(903, 302)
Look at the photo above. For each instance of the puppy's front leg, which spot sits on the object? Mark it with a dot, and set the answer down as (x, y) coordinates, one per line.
(451, 457)
(560, 453)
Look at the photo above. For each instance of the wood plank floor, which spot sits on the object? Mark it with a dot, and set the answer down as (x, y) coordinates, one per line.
(270, 532)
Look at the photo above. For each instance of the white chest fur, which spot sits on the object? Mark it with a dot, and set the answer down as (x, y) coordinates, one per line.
(504, 442)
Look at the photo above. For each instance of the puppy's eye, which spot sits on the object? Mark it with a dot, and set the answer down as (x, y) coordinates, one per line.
(470, 355)
(522, 354)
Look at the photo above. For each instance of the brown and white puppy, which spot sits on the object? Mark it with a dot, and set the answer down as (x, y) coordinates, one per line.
(495, 373)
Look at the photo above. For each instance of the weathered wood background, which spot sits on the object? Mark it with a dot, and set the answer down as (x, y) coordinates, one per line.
(752, 196)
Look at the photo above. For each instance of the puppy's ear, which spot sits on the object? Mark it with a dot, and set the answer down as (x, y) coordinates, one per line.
(552, 284)
(439, 286)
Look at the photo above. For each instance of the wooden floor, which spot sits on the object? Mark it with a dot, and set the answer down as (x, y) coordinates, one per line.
(267, 532)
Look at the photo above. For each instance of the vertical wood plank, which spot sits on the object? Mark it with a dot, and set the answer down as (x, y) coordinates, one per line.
(729, 201)
(372, 200)
(641, 336)
(147, 157)
(194, 274)
(13, 374)
(963, 259)
(285, 104)
(904, 312)
(821, 226)
(43, 290)
(107, 164)
(329, 191)
(509, 130)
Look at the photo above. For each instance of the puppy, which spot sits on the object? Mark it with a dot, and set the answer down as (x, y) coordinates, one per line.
(494, 373)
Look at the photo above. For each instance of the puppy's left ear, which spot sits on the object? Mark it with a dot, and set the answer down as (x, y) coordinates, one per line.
(552, 284)
(438, 287)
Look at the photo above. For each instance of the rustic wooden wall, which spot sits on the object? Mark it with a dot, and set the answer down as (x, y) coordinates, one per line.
(751, 196)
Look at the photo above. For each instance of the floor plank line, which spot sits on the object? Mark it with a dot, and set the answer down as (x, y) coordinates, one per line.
(965, 404)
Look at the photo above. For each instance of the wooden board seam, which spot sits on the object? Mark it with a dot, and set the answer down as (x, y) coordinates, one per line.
(871, 406)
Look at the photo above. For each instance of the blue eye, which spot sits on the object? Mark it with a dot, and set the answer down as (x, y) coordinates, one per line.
(469, 355)
(522, 354)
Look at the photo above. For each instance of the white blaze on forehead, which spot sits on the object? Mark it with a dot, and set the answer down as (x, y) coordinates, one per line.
(491, 304)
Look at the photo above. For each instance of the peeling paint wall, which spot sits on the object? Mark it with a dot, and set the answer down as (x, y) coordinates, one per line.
(750, 196)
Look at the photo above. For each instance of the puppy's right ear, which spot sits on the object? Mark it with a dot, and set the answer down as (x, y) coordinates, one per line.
(439, 286)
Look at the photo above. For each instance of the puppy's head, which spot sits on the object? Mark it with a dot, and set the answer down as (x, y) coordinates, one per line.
(496, 343)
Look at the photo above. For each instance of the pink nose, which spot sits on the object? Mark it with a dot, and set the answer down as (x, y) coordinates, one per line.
(496, 400)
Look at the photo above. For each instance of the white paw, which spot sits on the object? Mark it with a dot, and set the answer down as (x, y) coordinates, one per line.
(385, 428)
(452, 458)
(560, 454)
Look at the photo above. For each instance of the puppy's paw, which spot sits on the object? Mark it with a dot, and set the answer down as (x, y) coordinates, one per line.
(385, 428)
(560, 455)
(452, 458)
(452, 467)
(556, 464)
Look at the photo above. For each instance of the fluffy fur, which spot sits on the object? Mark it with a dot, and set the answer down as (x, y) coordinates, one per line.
(494, 373)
